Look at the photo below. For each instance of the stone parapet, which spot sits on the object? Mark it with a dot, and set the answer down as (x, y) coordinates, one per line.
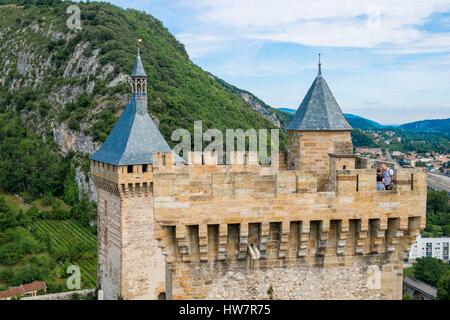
(240, 216)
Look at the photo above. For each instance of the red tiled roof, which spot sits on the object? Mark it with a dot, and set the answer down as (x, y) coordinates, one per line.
(35, 286)
(23, 289)
(12, 292)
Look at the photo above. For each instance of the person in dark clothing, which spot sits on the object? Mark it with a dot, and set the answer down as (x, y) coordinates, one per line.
(380, 182)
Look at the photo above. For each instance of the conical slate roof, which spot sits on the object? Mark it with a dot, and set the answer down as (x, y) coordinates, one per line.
(138, 69)
(319, 110)
(135, 137)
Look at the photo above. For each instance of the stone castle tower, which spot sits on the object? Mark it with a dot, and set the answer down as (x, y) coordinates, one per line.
(318, 129)
(314, 228)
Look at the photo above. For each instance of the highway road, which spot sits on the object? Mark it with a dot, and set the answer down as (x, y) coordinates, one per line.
(438, 182)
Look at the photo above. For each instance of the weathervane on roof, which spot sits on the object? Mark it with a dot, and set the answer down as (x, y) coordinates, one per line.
(139, 44)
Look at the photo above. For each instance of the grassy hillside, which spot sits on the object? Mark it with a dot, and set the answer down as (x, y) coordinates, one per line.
(68, 236)
(39, 244)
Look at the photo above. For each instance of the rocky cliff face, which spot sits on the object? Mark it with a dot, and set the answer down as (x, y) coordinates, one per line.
(269, 113)
(73, 141)
(28, 67)
(256, 104)
(78, 79)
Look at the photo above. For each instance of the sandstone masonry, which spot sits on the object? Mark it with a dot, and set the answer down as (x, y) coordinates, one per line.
(312, 227)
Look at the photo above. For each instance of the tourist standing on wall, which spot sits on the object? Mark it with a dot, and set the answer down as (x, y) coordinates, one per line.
(380, 180)
(388, 176)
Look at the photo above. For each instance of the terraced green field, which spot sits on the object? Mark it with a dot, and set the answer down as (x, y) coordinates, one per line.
(68, 235)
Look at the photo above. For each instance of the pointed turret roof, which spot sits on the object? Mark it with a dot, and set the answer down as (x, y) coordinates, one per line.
(138, 69)
(135, 137)
(319, 110)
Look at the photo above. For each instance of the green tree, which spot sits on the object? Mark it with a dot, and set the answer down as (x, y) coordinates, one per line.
(438, 214)
(443, 292)
(7, 216)
(33, 268)
(429, 270)
(70, 188)
(437, 201)
(6, 274)
(84, 212)
(16, 243)
(362, 139)
(446, 230)
(420, 164)
(27, 164)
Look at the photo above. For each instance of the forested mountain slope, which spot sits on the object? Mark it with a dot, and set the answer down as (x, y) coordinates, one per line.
(68, 87)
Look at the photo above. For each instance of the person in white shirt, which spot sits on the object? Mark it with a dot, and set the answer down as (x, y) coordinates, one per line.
(388, 176)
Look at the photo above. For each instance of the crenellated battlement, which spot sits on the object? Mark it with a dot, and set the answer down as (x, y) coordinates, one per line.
(245, 214)
(311, 241)
(251, 177)
(309, 225)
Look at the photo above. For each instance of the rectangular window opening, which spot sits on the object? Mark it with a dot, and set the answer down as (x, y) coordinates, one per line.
(194, 242)
(233, 241)
(213, 242)
(274, 231)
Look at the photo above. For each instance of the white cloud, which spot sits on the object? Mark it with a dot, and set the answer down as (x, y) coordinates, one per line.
(332, 23)
(385, 59)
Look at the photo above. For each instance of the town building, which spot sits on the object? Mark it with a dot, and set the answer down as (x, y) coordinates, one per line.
(430, 247)
(369, 151)
(24, 290)
(312, 226)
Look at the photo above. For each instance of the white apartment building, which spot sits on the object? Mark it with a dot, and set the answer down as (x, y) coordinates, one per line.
(430, 247)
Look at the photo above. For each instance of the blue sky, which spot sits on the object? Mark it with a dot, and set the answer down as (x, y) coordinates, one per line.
(388, 60)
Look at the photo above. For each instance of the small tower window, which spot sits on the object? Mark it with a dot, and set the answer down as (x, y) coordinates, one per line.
(144, 168)
(130, 169)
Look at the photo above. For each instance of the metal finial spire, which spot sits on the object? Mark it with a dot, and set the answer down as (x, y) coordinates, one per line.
(139, 49)
(138, 69)
(320, 65)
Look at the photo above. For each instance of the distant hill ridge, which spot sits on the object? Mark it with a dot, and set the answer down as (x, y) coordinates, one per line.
(438, 125)
(358, 122)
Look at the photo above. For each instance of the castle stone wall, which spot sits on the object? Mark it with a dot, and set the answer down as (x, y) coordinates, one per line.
(189, 231)
(289, 281)
(109, 241)
(143, 265)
